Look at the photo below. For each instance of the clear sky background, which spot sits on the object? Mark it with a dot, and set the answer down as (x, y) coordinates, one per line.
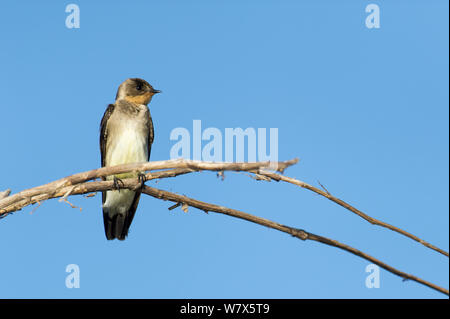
(366, 111)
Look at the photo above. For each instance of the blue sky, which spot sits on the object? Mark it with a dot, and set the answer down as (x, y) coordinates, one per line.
(366, 111)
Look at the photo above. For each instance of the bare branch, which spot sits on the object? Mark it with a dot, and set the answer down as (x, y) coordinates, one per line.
(180, 167)
(326, 194)
(77, 184)
(138, 167)
(299, 233)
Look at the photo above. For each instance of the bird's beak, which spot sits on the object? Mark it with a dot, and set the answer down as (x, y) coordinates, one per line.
(155, 91)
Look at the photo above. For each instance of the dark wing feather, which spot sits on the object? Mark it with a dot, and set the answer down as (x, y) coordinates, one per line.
(129, 216)
(151, 135)
(103, 139)
(104, 133)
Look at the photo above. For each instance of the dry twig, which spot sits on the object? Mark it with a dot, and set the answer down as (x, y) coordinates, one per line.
(298, 233)
(79, 184)
(373, 221)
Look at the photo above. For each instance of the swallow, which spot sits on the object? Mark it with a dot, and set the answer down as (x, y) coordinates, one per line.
(126, 136)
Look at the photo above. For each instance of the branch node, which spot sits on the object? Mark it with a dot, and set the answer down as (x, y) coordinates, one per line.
(326, 190)
(34, 209)
(299, 233)
(90, 195)
(221, 174)
(174, 206)
(70, 204)
(5, 193)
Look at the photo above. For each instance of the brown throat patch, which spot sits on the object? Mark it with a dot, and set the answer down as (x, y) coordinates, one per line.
(140, 99)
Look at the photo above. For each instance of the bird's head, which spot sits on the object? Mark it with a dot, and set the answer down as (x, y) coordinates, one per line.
(136, 91)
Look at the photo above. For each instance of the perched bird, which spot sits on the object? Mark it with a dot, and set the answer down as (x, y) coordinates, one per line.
(126, 136)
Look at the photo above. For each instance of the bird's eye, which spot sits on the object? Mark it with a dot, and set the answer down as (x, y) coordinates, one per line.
(139, 87)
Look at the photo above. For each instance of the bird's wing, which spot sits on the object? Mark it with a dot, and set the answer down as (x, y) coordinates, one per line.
(104, 139)
(104, 132)
(151, 135)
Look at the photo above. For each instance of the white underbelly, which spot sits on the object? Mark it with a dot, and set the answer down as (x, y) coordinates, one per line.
(119, 202)
(129, 147)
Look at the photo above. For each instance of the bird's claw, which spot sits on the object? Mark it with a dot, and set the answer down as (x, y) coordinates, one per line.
(118, 183)
(142, 179)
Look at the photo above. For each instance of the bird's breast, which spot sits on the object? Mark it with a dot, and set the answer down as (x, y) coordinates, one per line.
(128, 144)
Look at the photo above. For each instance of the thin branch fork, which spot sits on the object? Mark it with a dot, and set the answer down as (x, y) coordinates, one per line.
(178, 167)
(295, 232)
(138, 167)
(77, 184)
(326, 194)
(180, 200)
(5, 193)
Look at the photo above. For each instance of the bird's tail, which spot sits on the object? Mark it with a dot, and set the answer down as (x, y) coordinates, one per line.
(117, 223)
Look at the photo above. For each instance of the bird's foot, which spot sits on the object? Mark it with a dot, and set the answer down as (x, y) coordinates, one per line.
(142, 179)
(118, 183)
